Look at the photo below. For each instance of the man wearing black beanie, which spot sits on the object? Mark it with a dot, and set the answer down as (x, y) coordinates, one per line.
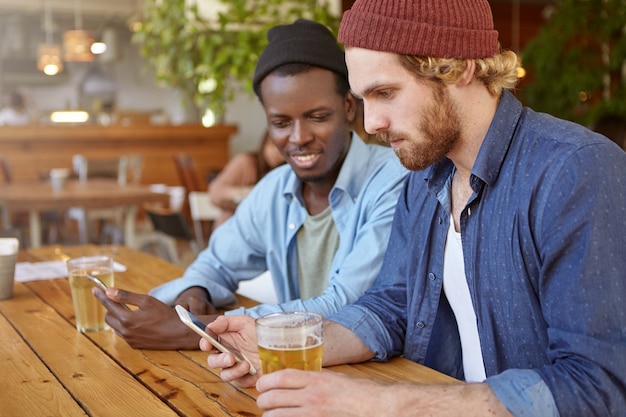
(319, 223)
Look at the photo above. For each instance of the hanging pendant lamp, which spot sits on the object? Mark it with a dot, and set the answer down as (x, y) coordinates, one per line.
(77, 42)
(48, 53)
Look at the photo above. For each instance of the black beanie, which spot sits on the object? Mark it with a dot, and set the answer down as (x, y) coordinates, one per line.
(303, 41)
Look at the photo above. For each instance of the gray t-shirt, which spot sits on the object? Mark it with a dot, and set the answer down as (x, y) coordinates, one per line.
(318, 240)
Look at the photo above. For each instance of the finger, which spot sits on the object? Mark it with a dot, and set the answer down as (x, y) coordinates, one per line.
(225, 324)
(220, 325)
(199, 307)
(239, 374)
(206, 346)
(127, 297)
(111, 306)
(220, 360)
(284, 379)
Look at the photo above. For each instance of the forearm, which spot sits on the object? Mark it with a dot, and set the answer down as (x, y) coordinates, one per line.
(342, 346)
(228, 197)
(441, 400)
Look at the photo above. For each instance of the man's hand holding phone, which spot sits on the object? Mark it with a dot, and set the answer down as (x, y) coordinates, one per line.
(239, 331)
(200, 328)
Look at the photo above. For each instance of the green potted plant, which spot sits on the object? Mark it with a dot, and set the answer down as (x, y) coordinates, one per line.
(577, 62)
(211, 60)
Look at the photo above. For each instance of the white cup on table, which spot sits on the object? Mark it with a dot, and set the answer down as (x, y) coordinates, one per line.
(58, 178)
(9, 247)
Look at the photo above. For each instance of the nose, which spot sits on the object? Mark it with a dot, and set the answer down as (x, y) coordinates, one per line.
(374, 119)
(300, 134)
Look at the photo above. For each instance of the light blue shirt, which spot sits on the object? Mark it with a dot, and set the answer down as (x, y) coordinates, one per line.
(262, 235)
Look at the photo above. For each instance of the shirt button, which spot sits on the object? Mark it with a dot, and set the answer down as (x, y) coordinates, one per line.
(420, 325)
(292, 226)
(432, 276)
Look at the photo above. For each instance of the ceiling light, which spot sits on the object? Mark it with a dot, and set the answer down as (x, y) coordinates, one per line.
(49, 59)
(69, 116)
(77, 42)
(49, 54)
(98, 48)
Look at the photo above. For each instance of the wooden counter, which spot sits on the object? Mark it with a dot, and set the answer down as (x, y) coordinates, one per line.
(34, 150)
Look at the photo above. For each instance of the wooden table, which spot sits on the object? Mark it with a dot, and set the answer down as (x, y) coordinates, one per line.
(38, 196)
(49, 368)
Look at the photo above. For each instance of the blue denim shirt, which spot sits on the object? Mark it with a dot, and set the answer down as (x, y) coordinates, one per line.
(262, 235)
(544, 241)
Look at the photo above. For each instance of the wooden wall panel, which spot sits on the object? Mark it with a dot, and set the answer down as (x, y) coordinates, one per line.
(33, 150)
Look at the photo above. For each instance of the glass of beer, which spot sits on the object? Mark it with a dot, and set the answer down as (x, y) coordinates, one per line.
(290, 340)
(88, 310)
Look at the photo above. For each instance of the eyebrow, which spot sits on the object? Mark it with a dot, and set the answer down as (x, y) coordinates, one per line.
(306, 113)
(367, 91)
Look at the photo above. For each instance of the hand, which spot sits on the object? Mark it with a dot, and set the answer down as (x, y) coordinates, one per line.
(293, 392)
(196, 301)
(152, 325)
(239, 331)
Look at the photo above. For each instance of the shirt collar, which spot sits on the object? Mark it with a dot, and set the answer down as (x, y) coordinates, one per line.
(498, 140)
(492, 151)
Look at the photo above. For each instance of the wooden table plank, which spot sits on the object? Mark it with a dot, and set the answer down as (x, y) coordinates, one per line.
(25, 377)
(104, 388)
(397, 369)
(181, 379)
(95, 193)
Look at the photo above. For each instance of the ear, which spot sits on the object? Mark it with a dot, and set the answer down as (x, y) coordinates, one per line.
(468, 74)
(350, 106)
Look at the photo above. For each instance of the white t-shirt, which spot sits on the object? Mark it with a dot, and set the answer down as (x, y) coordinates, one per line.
(457, 292)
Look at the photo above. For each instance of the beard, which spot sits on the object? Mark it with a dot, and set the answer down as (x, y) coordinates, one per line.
(439, 127)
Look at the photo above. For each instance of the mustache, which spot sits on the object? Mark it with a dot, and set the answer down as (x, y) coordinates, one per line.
(388, 137)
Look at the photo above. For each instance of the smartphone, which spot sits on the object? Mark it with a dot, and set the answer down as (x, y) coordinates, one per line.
(98, 282)
(102, 286)
(197, 326)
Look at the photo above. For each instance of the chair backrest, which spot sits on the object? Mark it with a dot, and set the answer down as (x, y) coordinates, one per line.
(135, 165)
(6, 170)
(187, 173)
(126, 169)
(169, 222)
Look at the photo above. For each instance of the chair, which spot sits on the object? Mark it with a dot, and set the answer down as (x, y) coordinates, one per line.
(189, 178)
(201, 210)
(126, 169)
(187, 174)
(51, 219)
(6, 170)
(170, 227)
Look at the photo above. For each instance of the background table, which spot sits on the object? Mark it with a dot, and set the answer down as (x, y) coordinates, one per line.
(49, 368)
(38, 196)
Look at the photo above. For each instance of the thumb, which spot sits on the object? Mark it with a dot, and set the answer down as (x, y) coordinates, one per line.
(125, 297)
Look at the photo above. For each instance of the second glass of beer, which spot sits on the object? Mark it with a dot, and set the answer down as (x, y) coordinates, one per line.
(290, 340)
(88, 310)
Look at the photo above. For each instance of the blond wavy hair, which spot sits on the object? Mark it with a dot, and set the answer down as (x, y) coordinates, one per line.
(497, 73)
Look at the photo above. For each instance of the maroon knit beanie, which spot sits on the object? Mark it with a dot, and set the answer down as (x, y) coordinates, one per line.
(435, 28)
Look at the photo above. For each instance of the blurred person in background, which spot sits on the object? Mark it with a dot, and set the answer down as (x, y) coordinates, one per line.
(16, 111)
(240, 175)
